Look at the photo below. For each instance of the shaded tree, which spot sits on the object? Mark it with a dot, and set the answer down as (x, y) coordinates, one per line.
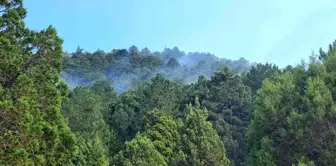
(173, 63)
(257, 74)
(229, 103)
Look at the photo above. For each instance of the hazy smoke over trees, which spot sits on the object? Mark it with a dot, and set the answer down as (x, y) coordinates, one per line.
(126, 68)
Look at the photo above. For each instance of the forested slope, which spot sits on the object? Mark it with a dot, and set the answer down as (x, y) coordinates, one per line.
(263, 116)
(125, 68)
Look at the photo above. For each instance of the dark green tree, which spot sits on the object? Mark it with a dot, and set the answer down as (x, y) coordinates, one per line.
(228, 101)
(86, 110)
(32, 129)
(331, 50)
(173, 63)
(125, 116)
(106, 92)
(127, 113)
(133, 50)
(257, 74)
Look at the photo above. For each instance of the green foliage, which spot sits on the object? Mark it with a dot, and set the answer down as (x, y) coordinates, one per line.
(127, 113)
(154, 123)
(125, 116)
(295, 112)
(254, 77)
(160, 142)
(331, 50)
(229, 103)
(203, 145)
(140, 152)
(163, 131)
(33, 130)
(127, 67)
(107, 94)
(93, 152)
(162, 94)
(148, 61)
(303, 161)
(86, 111)
(173, 63)
(264, 156)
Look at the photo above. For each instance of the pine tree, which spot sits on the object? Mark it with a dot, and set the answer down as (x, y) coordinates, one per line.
(173, 63)
(92, 152)
(257, 74)
(163, 131)
(85, 111)
(32, 128)
(203, 145)
(228, 101)
(140, 152)
(294, 116)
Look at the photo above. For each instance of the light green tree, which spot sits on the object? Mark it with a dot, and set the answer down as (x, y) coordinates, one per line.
(140, 152)
(163, 131)
(92, 152)
(295, 113)
(203, 145)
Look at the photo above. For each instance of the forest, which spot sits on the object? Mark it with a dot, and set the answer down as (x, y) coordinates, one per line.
(142, 108)
(127, 68)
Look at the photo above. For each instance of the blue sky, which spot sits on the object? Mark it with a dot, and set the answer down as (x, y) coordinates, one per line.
(277, 31)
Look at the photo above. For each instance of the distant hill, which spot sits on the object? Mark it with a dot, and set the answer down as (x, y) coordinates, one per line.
(126, 68)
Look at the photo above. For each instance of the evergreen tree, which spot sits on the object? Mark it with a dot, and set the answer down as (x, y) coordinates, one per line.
(163, 131)
(141, 152)
(125, 116)
(257, 74)
(127, 113)
(229, 103)
(32, 128)
(294, 115)
(173, 63)
(93, 152)
(85, 111)
(203, 145)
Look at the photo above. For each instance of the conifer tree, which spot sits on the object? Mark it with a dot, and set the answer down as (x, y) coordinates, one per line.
(203, 145)
(163, 131)
(141, 152)
(294, 116)
(32, 128)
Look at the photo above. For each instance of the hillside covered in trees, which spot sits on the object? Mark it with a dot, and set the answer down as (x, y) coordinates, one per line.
(186, 109)
(125, 68)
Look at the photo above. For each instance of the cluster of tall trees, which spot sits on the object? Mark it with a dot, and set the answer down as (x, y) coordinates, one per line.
(261, 117)
(33, 130)
(129, 67)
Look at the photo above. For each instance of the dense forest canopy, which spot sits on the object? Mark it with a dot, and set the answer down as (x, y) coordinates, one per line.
(126, 68)
(142, 108)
